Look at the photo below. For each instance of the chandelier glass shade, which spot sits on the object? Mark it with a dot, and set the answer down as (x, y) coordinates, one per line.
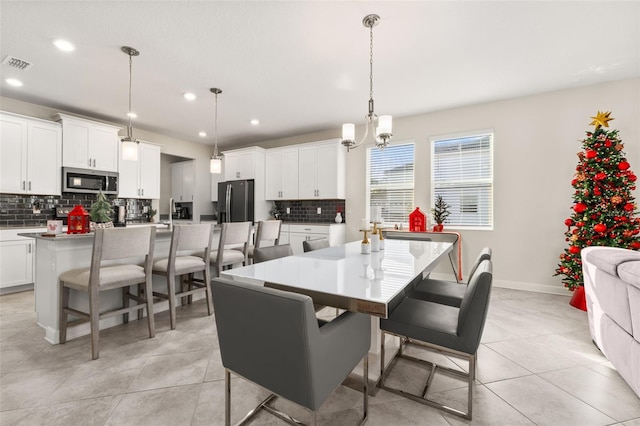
(378, 129)
(129, 143)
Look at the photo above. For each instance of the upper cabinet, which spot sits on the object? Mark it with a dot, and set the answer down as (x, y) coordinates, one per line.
(183, 181)
(321, 170)
(245, 163)
(88, 144)
(141, 178)
(30, 155)
(281, 173)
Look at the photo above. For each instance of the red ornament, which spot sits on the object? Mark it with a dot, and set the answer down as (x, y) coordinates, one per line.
(623, 165)
(574, 250)
(600, 176)
(569, 222)
(591, 154)
(635, 245)
(579, 207)
(573, 182)
(632, 177)
(628, 207)
(607, 143)
(600, 227)
(580, 224)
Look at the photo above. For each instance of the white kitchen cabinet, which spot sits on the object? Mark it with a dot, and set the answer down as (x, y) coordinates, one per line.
(281, 174)
(321, 170)
(244, 163)
(30, 155)
(297, 233)
(141, 178)
(16, 258)
(183, 181)
(88, 144)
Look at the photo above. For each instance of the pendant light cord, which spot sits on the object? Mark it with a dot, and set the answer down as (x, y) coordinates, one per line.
(129, 129)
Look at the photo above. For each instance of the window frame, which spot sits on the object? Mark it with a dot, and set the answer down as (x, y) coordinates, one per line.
(490, 179)
(405, 222)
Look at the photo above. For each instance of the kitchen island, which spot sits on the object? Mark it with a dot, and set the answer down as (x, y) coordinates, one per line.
(57, 254)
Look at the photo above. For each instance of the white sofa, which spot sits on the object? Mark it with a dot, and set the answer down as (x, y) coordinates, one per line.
(612, 288)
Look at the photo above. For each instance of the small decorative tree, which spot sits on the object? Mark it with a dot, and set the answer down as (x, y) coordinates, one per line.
(440, 212)
(101, 210)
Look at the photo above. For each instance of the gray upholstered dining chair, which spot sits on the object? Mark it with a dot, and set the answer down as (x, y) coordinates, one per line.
(447, 292)
(122, 248)
(272, 338)
(267, 234)
(452, 331)
(188, 253)
(236, 235)
(262, 254)
(310, 245)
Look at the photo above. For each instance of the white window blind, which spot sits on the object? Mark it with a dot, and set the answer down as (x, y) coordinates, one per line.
(462, 172)
(390, 181)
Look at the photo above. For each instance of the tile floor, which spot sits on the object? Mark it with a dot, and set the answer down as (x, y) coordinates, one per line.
(537, 366)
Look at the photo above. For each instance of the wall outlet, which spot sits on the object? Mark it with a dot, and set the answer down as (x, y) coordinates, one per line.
(288, 210)
(319, 210)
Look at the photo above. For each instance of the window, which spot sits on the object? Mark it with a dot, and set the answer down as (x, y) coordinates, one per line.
(462, 172)
(390, 181)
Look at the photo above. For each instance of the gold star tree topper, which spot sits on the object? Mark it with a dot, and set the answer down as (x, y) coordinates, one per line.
(601, 119)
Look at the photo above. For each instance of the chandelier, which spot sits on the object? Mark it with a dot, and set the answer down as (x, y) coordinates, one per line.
(129, 143)
(215, 166)
(380, 128)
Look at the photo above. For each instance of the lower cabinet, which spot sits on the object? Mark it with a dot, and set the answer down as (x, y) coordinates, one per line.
(16, 259)
(295, 234)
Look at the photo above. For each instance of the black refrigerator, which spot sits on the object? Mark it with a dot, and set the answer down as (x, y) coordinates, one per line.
(235, 201)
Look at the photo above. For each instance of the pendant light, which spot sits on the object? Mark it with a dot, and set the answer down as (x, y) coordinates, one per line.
(215, 165)
(129, 143)
(380, 128)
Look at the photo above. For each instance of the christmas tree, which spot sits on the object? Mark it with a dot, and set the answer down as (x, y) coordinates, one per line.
(604, 210)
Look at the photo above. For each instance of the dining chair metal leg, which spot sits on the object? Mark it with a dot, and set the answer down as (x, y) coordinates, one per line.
(227, 397)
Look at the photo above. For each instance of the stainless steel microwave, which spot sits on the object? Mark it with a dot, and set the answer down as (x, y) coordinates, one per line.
(89, 181)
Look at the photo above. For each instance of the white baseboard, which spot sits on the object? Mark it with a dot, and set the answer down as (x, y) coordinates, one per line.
(516, 285)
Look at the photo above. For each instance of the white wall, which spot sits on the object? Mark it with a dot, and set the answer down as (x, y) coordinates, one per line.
(536, 141)
(176, 147)
(535, 145)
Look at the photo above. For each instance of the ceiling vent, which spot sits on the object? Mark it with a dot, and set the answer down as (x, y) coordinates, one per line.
(14, 62)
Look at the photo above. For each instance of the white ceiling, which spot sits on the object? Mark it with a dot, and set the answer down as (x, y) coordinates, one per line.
(302, 66)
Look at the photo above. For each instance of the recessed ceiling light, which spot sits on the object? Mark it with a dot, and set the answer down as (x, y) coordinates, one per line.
(14, 82)
(202, 134)
(64, 45)
(189, 96)
(255, 122)
(132, 114)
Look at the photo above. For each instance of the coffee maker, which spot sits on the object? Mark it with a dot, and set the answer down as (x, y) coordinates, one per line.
(119, 216)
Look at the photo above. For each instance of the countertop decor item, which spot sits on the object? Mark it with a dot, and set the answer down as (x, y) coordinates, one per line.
(78, 221)
(101, 211)
(378, 127)
(338, 218)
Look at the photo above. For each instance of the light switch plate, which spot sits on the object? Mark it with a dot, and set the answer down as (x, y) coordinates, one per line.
(288, 210)
(319, 210)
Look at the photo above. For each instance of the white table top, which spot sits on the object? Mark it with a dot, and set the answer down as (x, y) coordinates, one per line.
(343, 277)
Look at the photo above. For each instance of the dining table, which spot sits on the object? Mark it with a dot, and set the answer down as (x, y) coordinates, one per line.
(342, 277)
